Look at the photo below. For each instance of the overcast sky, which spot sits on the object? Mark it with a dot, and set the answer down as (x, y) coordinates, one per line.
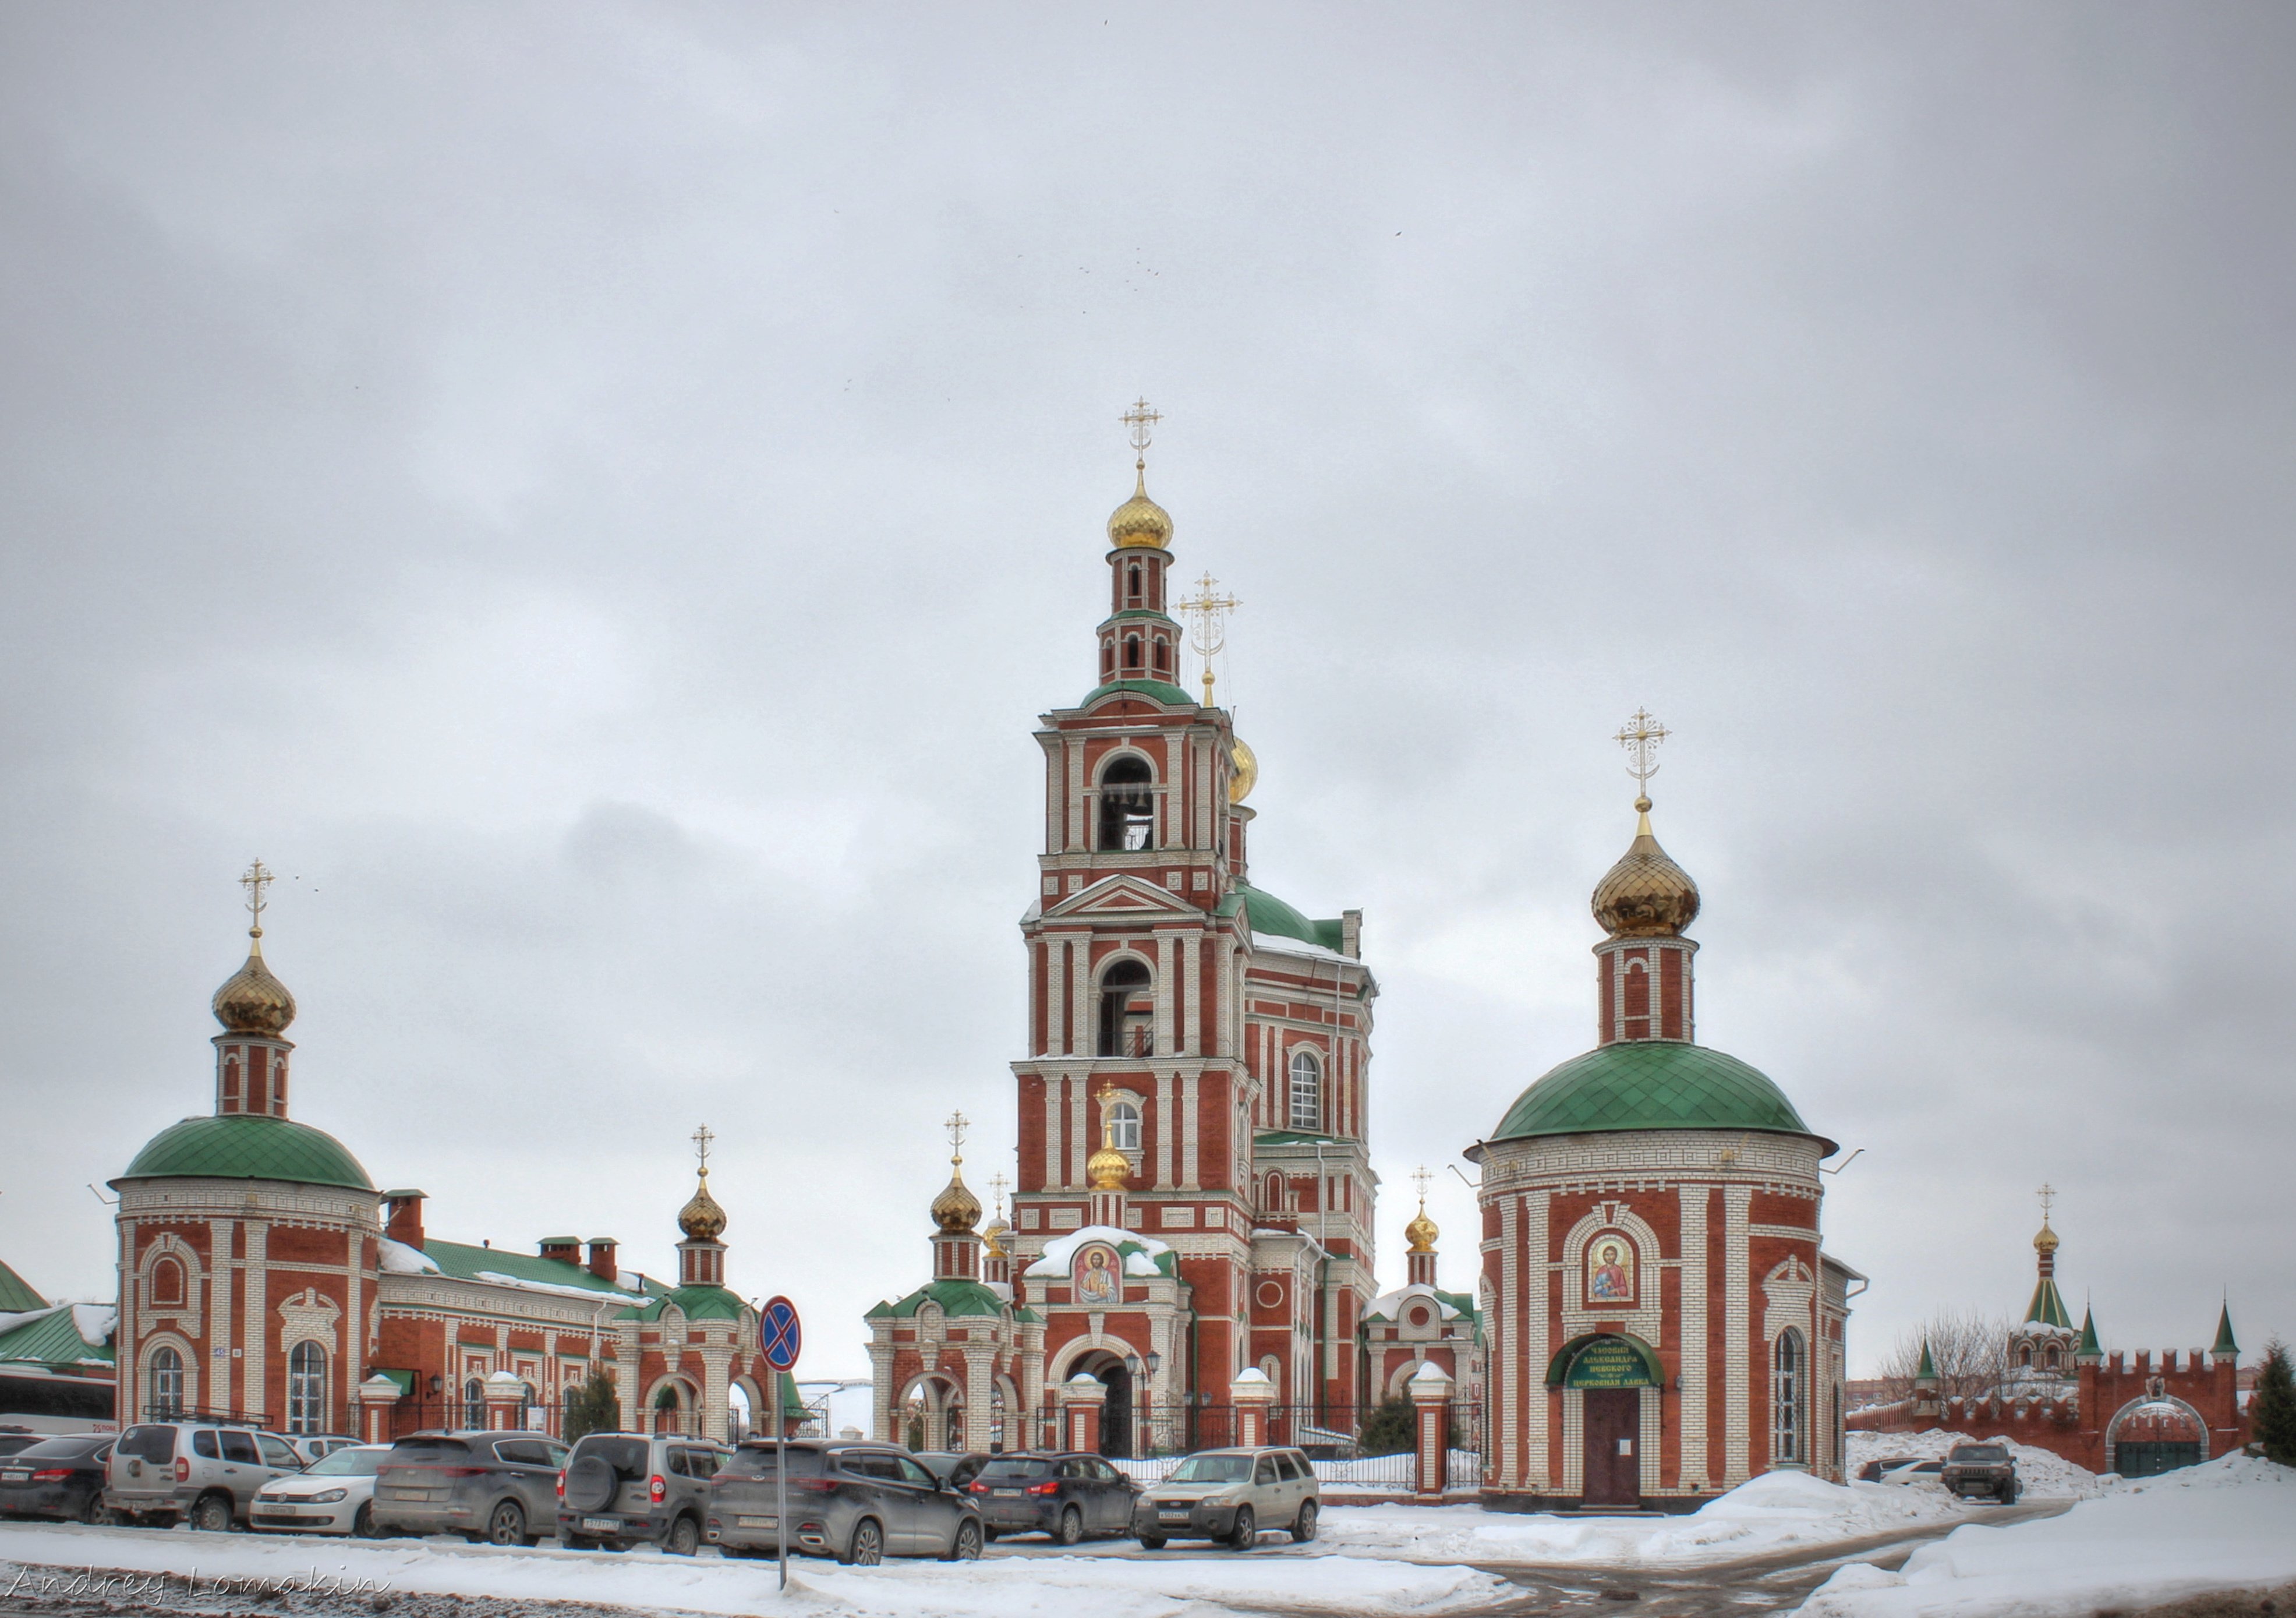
(598, 497)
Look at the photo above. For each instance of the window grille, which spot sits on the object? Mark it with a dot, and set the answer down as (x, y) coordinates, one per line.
(1785, 1398)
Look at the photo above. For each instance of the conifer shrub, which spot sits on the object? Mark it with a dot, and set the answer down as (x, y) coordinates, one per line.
(2272, 1415)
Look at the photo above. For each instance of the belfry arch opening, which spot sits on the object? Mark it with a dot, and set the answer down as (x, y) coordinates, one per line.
(1127, 805)
(1127, 1010)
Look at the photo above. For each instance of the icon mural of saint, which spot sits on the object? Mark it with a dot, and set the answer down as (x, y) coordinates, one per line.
(1096, 1276)
(1609, 1272)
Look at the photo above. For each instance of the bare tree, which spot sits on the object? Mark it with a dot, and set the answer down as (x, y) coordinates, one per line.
(1970, 1349)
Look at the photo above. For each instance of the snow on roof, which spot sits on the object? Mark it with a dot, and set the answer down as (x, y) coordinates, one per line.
(1140, 1251)
(588, 1294)
(94, 1322)
(400, 1259)
(1291, 946)
(1387, 1304)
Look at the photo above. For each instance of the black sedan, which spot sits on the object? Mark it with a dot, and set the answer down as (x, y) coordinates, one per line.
(57, 1477)
(1067, 1494)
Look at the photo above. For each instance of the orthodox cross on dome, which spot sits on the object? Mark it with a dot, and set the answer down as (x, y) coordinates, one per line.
(2048, 1195)
(702, 1137)
(258, 878)
(1641, 736)
(1140, 421)
(1420, 1177)
(956, 1124)
(998, 1184)
(1207, 615)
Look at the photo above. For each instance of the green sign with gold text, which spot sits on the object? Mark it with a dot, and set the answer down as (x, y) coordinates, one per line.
(1609, 1362)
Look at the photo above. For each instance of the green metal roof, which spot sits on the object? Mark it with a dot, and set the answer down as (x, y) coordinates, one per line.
(243, 1147)
(956, 1298)
(1290, 1138)
(1171, 697)
(1927, 1370)
(16, 1294)
(2047, 1307)
(1651, 1084)
(463, 1263)
(51, 1338)
(697, 1303)
(1270, 915)
(2088, 1346)
(2225, 1348)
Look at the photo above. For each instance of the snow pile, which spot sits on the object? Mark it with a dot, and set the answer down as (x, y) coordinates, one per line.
(1777, 1511)
(2040, 1473)
(1140, 1251)
(1045, 1587)
(2230, 1524)
(397, 1259)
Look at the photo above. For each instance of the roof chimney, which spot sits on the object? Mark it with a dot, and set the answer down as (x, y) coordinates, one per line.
(601, 1260)
(402, 1212)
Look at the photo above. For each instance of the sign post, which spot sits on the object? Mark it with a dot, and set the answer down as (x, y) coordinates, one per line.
(778, 1324)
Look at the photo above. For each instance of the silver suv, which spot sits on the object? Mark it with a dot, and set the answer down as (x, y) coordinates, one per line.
(164, 1473)
(1229, 1495)
(625, 1488)
(858, 1502)
(498, 1487)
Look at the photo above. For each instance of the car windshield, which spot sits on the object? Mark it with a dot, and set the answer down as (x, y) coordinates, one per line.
(347, 1463)
(1005, 1468)
(1979, 1455)
(1213, 1469)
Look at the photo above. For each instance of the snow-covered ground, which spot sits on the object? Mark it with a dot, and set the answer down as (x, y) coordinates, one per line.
(2230, 1524)
(2041, 1474)
(1778, 1511)
(1036, 1587)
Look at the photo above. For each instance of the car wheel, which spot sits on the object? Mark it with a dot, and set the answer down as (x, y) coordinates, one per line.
(966, 1546)
(867, 1547)
(1071, 1526)
(685, 1537)
(93, 1514)
(508, 1525)
(1303, 1528)
(212, 1514)
(1151, 1541)
(362, 1524)
(1246, 1533)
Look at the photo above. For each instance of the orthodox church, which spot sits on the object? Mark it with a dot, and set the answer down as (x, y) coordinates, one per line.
(1195, 1197)
(264, 1278)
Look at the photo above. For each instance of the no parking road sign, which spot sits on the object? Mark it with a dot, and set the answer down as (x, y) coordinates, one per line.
(778, 1326)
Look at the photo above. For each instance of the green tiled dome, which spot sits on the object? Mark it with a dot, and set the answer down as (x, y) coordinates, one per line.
(1651, 1084)
(241, 1146)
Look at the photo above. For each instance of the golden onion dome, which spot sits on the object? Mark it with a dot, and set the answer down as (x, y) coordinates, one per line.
(1140, 523)
(1244, 773)
(701, 1218)
(252, 1001)
(1108, 1169)
(2047, 1242)
(956, 1210)
(1422, 1232)
(1645, 895)
(992, 1239)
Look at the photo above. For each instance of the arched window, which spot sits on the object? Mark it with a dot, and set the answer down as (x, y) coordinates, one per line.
(1131, 652)
(1127, 1012)
(2025, 1353)
(1132, 583)
(1307, 1091)
(474, 1403)
(167, 1384)
(527, 1397)
(1127, 805)
(2049, 1356)
(1271, 1197)
(1786, 1372)
(306, 1388)
(166, 1285)
(1163, 655)
(1124, 1126)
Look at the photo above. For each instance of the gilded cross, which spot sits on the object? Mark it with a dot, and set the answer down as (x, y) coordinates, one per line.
(999, 1185)
(1419, 1178)
(1141, 419)
(258, 878)
(2048, 1195)
(1207, 624)
(702, 1137)
(956, 1125)
(1640, 738)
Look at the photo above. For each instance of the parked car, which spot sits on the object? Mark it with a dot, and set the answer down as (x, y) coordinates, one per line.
(501, 1488)
(203, 1472)
(12, 1439)
(858, 1502)
(1066, 1494)
(1904, 1473)
(335, 1494)
(57, 1477)
(1986, 1471)
(625, 1488)
(314, 1446)
(1872, 1470)
(1230, 1495)
(954, 1469)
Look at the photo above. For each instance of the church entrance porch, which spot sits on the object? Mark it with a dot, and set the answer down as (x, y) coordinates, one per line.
(1116, 1423)
(1613, 1468)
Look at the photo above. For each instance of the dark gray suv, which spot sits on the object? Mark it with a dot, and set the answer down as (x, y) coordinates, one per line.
(624, 1488)
(858, 1502)
(498, 1487)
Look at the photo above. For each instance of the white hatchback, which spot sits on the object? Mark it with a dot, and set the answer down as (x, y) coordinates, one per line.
(332, 1497)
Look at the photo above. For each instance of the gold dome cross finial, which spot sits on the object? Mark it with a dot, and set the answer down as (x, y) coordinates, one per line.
(1206, 616)
(702, 1137)
(1641, 736)
(258, 878)
(956, 1124)
(1140, 421)
(998, 1184)
(701, 1218)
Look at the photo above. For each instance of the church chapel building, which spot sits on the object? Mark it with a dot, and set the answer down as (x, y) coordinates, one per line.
(264, 1278)
(1195, 1197)
(1663, 1323)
